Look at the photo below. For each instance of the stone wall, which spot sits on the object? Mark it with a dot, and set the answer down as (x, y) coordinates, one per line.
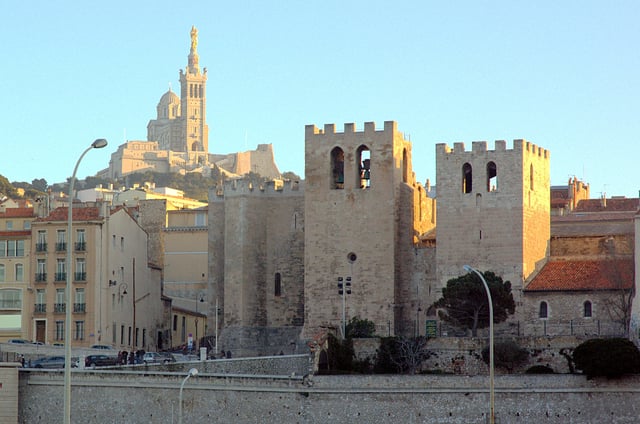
(127, 398)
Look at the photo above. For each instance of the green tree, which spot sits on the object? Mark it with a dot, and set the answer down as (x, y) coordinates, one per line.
(464, 301)
(360, 328)
(607, 357)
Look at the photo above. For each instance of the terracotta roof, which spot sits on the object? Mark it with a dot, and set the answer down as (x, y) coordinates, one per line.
(578, 275)
(18, 233)
(612, 205)
(17, 213)
(79, 214)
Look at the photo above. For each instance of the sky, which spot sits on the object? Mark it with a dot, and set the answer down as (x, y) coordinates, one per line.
(563, 75)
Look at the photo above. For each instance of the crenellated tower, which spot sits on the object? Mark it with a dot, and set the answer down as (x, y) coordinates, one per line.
(493, 210)
(360, 213)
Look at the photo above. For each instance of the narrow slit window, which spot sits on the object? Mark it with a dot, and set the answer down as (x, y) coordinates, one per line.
(277, 287)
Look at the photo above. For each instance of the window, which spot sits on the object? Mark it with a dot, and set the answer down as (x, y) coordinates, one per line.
(201, 219)
(1, 273)
(60, 301)
(113, 333)
(11, 248)
(81, 270)
(19, 272)
(41, 270)
(10, 299)
(183, 335)
(405, 166)
(144, 337)
(81, 243)
(59, 330)
(587, 309)
(467, 178)
(61, 240)
(79, 331)
(544, 310)
(492, 176)
(41, 302)
(137, 333)
(122, 243)
(337, 168)
(41, 241)
(9, 225)
(363, 157)
(175, 322)
(277, 285)
(26, 225)
(122, 334)
(80, 305)
(61, 265)
(129, 337)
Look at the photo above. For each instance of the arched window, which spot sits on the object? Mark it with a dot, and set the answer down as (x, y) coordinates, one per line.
(467, 178)
(492, 176)
(587, 309)
(544, 310)
(337, 168)
(363, 162)
(531, 177)
(277, 286)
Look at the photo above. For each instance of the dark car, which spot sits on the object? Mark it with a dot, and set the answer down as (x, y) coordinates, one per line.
(49, 362)
(92, 361)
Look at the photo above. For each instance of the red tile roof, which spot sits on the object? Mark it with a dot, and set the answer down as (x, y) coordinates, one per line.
(79, 214)
(17, 213)
(612, 205)
(578, 275)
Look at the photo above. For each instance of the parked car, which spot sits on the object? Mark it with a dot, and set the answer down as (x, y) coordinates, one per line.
(158, 358)
(92, 361)
(52, 362)
(105, 347)
(18, 341)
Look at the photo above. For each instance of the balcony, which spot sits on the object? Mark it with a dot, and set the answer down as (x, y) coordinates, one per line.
(80, 308)
(80, 276)
(61, 276)
(61, 247)
(40, 308)
(41, 247)
(81, 246)
(59, 308)
(41, 277)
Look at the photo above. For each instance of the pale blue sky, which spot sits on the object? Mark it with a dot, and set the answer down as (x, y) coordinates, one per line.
(561, 74)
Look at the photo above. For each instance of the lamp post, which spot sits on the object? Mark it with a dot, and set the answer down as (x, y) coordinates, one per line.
(491, 364)
(199, 299)
(97, 144)
(192, 372)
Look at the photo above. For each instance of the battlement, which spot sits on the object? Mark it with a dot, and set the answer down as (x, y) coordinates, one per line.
(244, 187)
(349, 128)
(519, 145)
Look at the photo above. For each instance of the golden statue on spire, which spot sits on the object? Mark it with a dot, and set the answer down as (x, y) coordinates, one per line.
(194, 38)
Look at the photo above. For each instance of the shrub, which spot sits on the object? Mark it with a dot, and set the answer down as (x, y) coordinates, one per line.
(506, 354)
(540, 369)
(607, 357)
(340, 355)
(360, 328)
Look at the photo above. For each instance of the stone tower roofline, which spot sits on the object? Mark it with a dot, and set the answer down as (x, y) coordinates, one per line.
(519, 145)
(244, 187)
(350, 128)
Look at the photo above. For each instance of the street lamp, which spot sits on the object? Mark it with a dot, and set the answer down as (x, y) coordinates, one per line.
(192, 372)
(491, 366)
(199, 299)
(97, 144)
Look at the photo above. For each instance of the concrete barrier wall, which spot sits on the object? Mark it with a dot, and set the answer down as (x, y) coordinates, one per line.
(152, 397)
